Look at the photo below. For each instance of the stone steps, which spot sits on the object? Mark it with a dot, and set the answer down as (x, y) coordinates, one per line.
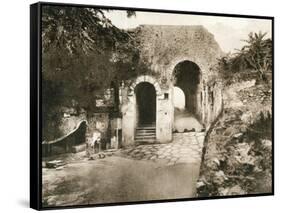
(146, 128)
(145, 137)
(146, 131)
(145, 134)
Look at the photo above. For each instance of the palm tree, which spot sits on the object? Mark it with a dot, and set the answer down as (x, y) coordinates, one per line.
(256, 54)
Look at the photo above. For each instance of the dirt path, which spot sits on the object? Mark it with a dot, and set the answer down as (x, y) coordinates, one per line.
(121, 178)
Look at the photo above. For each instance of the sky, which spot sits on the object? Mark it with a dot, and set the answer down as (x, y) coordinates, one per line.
(228, 31)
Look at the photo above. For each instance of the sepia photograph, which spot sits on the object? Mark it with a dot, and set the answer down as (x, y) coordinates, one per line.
(144, 105)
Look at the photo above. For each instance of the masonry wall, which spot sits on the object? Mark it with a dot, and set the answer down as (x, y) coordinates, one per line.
(212, 103)
(128, 109)
(69, 123)
(162, 48)
(165, 116)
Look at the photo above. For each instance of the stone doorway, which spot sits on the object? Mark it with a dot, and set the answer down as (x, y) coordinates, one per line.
(187, 78)
(145, 104)
(186, 92)
(158, 112)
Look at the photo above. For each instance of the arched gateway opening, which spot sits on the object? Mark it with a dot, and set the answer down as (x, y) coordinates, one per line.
(186, 77)
(145, 104)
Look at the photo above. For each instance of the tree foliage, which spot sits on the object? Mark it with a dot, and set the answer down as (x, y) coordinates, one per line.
(255, 55)
(83, 52)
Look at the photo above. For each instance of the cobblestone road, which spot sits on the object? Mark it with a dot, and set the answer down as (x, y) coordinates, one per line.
(185, 148)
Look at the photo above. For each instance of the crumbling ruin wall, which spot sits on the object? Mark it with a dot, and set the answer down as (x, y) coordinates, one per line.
(161, 49)
(164, 46)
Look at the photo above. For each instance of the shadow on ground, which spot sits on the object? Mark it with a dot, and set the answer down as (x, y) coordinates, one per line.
(117, 179)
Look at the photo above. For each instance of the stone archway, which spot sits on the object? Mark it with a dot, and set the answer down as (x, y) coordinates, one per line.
(146, 92)
(162, 128)
(148, 79)
(145, 104)
(150, 84)
(187, 76)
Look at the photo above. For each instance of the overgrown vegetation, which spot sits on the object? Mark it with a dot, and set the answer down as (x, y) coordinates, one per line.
(83, 54)
(256, 56)
(239, 163)
(238, 149)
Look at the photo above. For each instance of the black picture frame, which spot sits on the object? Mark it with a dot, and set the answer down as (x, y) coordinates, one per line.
(36, 103)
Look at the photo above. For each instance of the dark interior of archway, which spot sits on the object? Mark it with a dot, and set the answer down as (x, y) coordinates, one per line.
(146, 103)
(186, 76)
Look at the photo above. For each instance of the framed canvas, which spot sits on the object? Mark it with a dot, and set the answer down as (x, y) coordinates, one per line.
(133, 105)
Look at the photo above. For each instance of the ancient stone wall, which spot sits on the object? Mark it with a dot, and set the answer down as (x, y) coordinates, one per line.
(164, 46)
(70, 119)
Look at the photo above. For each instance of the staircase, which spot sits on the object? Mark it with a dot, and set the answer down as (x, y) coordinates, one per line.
(145, 134)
